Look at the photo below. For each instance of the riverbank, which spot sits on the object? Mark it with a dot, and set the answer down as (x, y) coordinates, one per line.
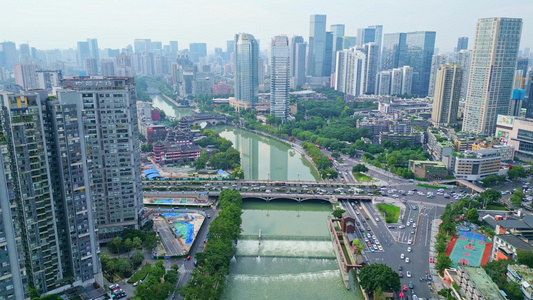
(174, 102)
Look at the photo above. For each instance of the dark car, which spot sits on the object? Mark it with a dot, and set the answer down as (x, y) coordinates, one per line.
(120, 296)
(400, 268)
(411, 286)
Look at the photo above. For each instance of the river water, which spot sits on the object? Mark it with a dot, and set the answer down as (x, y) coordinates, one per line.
(266, 158)
(170, 109)
(295, 259)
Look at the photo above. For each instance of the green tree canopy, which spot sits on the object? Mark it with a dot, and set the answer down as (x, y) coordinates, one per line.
(338, 213)
(378, 276)
(360, 168)
(472, 215)
(443, 262)
(517, 172)
(524, 257)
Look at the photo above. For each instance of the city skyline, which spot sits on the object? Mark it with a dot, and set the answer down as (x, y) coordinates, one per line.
(214, 23)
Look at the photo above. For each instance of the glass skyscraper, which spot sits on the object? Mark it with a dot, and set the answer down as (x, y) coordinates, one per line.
(394, 50)
(279, 76)
(420, 48)
(317, 46)
(246, 68)
(491, 73)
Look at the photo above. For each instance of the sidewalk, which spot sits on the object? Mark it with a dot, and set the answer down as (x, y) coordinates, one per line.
(438, 283)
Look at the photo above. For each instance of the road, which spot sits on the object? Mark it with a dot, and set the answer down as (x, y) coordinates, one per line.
(186, 266)
(394, 242)
(167, 238)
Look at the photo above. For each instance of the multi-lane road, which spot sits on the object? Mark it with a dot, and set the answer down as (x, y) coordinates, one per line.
(393, 242)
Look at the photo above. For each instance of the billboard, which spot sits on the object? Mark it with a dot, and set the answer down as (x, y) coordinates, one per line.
(506, 121)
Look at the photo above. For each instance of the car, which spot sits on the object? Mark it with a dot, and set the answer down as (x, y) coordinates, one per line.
(357, 212)
(377, 219)
(357, 222)
(422, 278)
(410, 220)
(137, 283)
(188, 257)
(377, 242)
(114, 286)
(372, 249)
(407, 259)
(118, 291)
(400, 268)
(401, 226)
(120, 296)
(404, 288)
(414, 225)
(366, 240)
(409, 249)
(415, 297)
(391, 227)
(430, 278)
(411, 286)
(408, 273)
(380, 248)
(402, 256)
(368, 244)
(412, 231)
(375, 247)
(401, 274)
(408, 224)
(410, 241)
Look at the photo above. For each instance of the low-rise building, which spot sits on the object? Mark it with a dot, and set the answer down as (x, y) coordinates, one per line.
(475, 165)
(167, 153)
(460, 145)
(475, 283)
(438, 145)
(505, 246)
(523, 275)
(412, 139)
(430, 170)
(155, 133)
(517, 132)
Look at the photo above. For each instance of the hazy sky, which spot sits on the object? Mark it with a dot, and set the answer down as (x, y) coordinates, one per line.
(116, 23)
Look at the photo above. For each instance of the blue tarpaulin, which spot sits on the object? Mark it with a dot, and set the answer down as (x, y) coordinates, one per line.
(150, 171)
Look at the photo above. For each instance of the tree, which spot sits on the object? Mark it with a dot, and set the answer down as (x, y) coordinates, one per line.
(358, 245)
(128, 244)
(440, 247)
(338, 213)
(201, 161)
(335, 155)
(497, 270)
(174, 267)
(124, 267)
(137, 242)
(490, 196)
(443, 262)
(448, 227)
(512, 289)
(378, 277)
(516, 200)
(524, 257)
(516, 172)
(238, 173)
(472, 215)
(115, 245)
(329, 174)
(171, 276)
(137, 257)
(360, 168)
(447, 294)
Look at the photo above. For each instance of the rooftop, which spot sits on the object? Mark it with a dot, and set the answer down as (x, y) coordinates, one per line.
(482, 282)
(525, 272)
(515, 241)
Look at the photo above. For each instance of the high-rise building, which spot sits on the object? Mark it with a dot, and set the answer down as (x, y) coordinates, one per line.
(383, 82)
(48, 79)
(107, 67)
(378, 34)
(350, 75)
(317, 46)
(420, 47)
(141, 45)
(93, 49)
(279, 76)
(83, 53)
(30, 255)
(230, 45)
(173, 48)
(396, 81)
(371, 51)
(297, 59)
(437, 60)
(111, 134)
(462, 58)
(348, 42)
(462, 44)
(515, 103)
(492, 69)
(26, 76)
(10, 57)
(447, 93)
(407, 80)
(327, 67)
(246, 53)
(90, 66)
(338, 42)
(365, 35)
(529, 111)
(197, 51)
(394, 51)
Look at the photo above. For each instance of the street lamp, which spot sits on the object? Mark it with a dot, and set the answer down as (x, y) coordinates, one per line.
(268, 174)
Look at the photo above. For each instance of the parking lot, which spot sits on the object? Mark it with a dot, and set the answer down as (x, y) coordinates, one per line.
(402, 246)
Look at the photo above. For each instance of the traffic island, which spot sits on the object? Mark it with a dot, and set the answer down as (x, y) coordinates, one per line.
(177, 232)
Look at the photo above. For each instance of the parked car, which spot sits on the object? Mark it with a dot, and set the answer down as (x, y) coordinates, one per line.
(408, 273)
(402, 256)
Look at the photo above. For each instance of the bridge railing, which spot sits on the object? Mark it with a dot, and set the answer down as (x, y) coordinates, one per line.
(284, 237)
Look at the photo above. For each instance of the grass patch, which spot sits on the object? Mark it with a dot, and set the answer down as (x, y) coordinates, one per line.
(431, 186)
(496, 207)
(361, 177)
(139, 275)
(390, 212)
